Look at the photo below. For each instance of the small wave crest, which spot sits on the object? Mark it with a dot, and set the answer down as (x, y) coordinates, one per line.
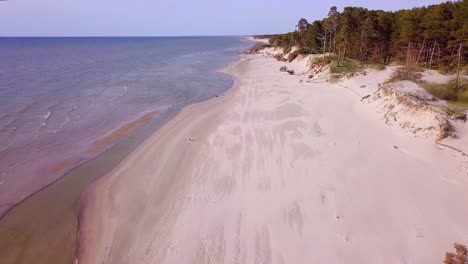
(125, 90)
(45, 117)
(3, 177)
(67, 120)
(11, 131)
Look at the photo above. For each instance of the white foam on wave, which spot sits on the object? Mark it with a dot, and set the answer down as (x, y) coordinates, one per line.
(3, 178)
(67, 119)
(12, 131)
(125, 90)
(47, 115)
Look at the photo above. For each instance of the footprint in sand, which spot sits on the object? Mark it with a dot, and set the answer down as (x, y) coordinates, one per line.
(262, 246)
(345, 238)
(317, 129)
(293, 215)
(418, 234)
(323, 198)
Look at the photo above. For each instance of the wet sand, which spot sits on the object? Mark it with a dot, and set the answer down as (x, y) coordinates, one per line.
(102, 144)
(44, 227)
(41, 164)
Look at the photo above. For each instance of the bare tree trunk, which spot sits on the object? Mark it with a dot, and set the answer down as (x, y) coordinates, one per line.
(421, 51)
(408, 56)
(432, 54)
(438, 53)
(452, 55)
(339, 57)
(324, 43)
(458, 66)
(334, 41)
(290, 41)
(364, 40)
(344, 54)
(381, 51)
(361, 49)
(427, 54)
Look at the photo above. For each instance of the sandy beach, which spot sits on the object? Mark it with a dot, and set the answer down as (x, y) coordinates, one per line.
(279, 170)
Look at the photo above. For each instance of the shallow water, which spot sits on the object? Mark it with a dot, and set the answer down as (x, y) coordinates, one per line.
(60, 96)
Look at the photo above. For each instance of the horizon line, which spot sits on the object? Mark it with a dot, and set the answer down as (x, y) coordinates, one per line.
(128, 36)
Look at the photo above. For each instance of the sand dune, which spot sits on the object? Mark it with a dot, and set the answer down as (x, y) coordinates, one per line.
(278, 171)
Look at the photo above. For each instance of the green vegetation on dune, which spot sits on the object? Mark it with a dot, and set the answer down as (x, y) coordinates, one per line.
(346, 66)
(407, 73)
(431, 37)
(453, 90)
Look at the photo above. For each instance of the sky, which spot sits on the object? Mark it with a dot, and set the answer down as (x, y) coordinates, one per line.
(170, 17)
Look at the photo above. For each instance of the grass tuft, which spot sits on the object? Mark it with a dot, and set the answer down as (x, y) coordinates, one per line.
(406, 74)
(449, 91)
(378, 66)
(347, 66)
(322, 60)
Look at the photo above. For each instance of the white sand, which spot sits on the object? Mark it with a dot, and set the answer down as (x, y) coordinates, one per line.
(279, 172)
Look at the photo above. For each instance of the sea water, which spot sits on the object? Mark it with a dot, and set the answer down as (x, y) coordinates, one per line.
(59, 96)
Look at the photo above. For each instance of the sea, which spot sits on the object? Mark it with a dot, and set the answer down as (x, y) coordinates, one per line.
(63, 99)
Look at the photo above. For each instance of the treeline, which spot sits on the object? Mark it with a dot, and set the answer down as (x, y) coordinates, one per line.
(432, 37)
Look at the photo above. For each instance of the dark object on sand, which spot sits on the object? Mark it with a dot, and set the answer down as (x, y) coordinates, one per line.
(365, 97)
(460, 117)
(279, 57)
(285, 69)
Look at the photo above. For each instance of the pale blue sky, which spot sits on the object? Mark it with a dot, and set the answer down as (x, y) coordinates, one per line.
(170, 17)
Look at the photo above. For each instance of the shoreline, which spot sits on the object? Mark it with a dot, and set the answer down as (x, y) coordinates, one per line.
(58, 197)
(96, 149)
(61, 167)
(121, 142)
(91, 203)
(288, 149)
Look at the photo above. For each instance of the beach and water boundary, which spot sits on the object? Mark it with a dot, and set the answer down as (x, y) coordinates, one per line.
(52, 236)
(55, 207)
